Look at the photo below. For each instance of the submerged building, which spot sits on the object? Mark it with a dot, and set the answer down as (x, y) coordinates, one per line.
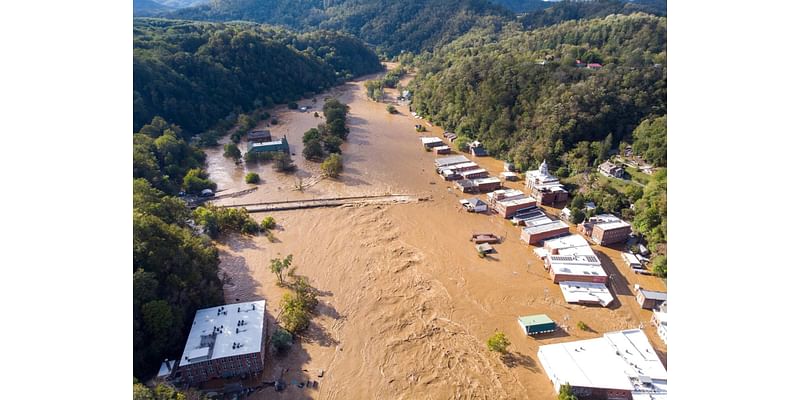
(224, 341)
(618, 366)
(545, 188)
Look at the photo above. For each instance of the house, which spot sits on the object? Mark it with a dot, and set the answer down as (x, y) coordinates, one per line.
(430, 142)
(224, 341)
(452, 160)
(474, 205)
(545, 188)
(594, 66)
(586, 293)
(649, 299)
(611, 170)
(275, 145)
(450, 136)
(259, 135)
(477, 150)
(536, 324)
(444, 149)
(606, 229)
(537, 233)
(508, 207)
(618, 365)
(576, 268)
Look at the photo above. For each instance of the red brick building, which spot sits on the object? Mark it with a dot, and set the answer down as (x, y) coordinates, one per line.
(606, 229)
(545, 188)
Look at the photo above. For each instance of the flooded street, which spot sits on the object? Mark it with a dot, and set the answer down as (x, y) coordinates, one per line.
(406, 304)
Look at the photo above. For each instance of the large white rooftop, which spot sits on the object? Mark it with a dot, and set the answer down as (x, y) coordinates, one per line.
(608, 221)
(567, 244)
(574, 269)
(515, 201)
(586, 292)
(622, 360)
(443, 161)
(225, 331)
(544, 227)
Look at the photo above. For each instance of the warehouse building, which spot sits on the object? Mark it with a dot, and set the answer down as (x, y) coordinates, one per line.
(543, 231)
(281, 145)
(578, 268)
(536, 324)
(224, 341)
(618, 366)
(586, 293)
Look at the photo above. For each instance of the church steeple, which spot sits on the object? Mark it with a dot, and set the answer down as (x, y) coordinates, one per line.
(543, 168)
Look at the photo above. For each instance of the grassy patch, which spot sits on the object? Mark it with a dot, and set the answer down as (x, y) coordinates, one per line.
(638, 176)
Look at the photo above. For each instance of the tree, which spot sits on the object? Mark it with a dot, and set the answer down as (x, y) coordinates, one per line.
(280, 267)
(582, 326)
(294, 316)
(391, 109)
(281, 339)
(311, 135)
(462, 143)
(313, 150)
(577, 216)
(252, 178)
(660, 266)
(232, 151)
(283, 162)
(332, 166)
(498, 342)
(565, 392)
(332, 144)
(196, 180)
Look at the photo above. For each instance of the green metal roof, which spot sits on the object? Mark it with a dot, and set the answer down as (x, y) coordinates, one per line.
(538, 319)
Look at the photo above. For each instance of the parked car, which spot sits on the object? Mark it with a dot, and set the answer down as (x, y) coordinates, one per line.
(207, 193)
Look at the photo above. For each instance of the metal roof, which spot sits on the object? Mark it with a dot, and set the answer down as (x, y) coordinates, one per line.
(537, 319)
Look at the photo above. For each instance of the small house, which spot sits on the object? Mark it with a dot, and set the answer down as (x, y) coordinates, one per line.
(536, 324)
(430, 142)
(259, 135)
(633, 262)
(649, 299)
(565, 214)
(474, 205)
(509, 176)
(611, 170)
(475, 173)
(444, 149)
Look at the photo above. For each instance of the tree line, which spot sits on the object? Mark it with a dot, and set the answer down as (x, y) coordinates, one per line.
(326, 139)
(195, 74)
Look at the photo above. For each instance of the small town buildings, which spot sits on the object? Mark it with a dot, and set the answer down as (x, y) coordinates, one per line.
(430, 142)
(504, 194)
(565, 214)
(478, 185)
(545, 188)
(442, 149)
(633, 262)
(536, 324)
(450, 136)
(618, 365)
(529, 217)
(475, 173)
(611, 170)
(453, 172)
(477, 150)
(259, 135)
(568, 245)
(509, 176)
(578, 268)
(474, 205)
(281, 145)
(606, 229)
(586, 293)
(537, 233)
(649, 299)
(452, 160)
(223, 342)
(660, 321)
(508, 207)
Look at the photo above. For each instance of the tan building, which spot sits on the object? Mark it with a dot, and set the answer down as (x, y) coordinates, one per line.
(606, 229)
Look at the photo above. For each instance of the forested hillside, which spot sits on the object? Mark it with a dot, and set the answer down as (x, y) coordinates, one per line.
(392, 26)
(522, 6)
(193, 74)
(570, 10)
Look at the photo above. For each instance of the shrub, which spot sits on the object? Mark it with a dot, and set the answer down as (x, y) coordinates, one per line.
(250, 227)
(582, 326)
(332, 166)
(232, 151)
(267, 224)
(252, 177)
(316, 114)
(332, 144)
(274, 121)
(313, 150)
(660, 266)
(391, 109)
(498, 342)
(282, 340)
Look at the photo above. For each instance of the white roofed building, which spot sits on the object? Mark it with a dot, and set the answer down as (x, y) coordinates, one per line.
(619, 365)
(224, 341)
(545, 188)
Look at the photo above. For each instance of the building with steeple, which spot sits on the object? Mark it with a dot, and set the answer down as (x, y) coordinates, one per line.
(545, 188)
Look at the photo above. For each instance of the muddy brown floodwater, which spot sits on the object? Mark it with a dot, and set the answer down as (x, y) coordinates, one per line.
(406, 304)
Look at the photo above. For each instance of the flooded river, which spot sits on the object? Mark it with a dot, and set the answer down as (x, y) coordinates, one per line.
(406, 304)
